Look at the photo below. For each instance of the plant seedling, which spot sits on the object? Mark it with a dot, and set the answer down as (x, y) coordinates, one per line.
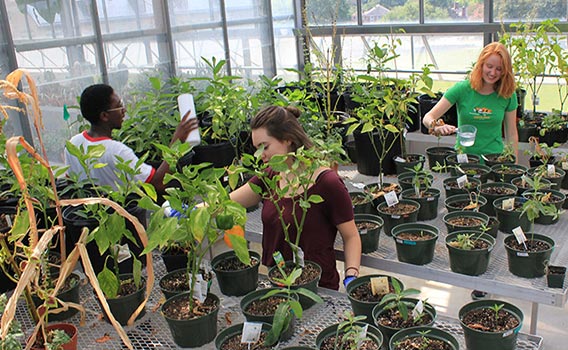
(349, 335)
(496, 308)
(395, 299)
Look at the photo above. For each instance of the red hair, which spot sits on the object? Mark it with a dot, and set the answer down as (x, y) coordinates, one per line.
(505, 86)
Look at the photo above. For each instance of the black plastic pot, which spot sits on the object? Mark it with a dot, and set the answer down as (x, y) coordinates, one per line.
(437, 155)
(555, 276)
(183, 271)
(387, 331)
(432, 333)
(123, 307)
(499, 172)
(219, 154)
(551, 137)
(472, 262)
(477, 171)
(70, 295)
(477, 339)
(509, 219)
(238, 282)
(547, 219)
(427, 102)
(364, 203)
(174, 261)
(428, 202)
(257, 295)
(451, 227)
(405, 180)
(492, 159)
(372, 332)
(235, 330)
(312, 285)
(528, 264)
(452, 159)
(404, 164)
(518, 181)
(507, 189)
(196, 331)
(451, 202)
(369, 238)
(419, 252)
(391, 220)
(361, 307)
(372, 187)
(526, 131)
(452, 190)
(367, 160)
(555, 180)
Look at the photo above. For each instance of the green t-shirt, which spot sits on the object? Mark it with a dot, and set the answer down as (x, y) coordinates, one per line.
(485, 112)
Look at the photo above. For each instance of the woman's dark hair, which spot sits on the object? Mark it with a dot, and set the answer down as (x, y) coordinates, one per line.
(95, 99)
(282, 124)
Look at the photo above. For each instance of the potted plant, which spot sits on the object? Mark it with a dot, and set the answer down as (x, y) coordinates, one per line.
(423, 337)
(470, 201)
(527, 256)
(547, 202)
(369, 227)
(397, 311)
(469, 251)
(226, 108)
(506, 172)
(365, 292)
(423, 193)
(464, 220)
(493, 191)
(278, 306)
(507, 156)
(415, 242)
(350, 334)
(452, 187)
(228, 268)
(550, 172)
(540, 153)
(509, 212)
(406, 180)
(490, 324)
(205, 211)
(230, 338)
(404, 211)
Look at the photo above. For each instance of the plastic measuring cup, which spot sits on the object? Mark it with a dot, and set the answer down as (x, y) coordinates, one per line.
(466, 135)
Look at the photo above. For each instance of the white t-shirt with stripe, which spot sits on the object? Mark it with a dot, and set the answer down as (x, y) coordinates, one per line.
(106, 175)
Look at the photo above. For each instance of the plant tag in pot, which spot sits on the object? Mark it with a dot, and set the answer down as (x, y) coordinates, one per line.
(399, 159)
(521, 238)
(380, 285)
(300, 257)
(362, 335)
(462, 181)
(462, 158)
(251, 332)
(418, 309)
(185, 104)
(200, 290)
(508, 204)
(564, 165)
(123, 252)
(391, 198)
(551, 170)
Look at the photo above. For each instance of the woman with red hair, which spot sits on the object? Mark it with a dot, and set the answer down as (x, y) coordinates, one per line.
(486, 100)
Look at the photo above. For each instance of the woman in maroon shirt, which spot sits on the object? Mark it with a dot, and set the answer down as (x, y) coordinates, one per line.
(277, 130)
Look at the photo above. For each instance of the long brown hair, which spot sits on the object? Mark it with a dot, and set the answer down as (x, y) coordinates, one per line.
(282, 124)
(505, 86)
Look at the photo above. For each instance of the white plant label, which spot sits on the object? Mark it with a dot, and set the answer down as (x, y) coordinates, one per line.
(391, 198)
(358, 185)
(380, 285)
(251, 332)
(462, 158)
(200, 290)
(300, 261)
(508, 333)
(363, 231)
(362, 335)
(123, 252)
(508, 204)
(519, 234)
(418, 309)
(551, 170)
(564, 165)
(185, 104)
(462, 181)
(399, 159)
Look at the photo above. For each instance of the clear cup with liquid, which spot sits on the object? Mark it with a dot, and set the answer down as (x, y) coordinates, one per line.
(466, 135)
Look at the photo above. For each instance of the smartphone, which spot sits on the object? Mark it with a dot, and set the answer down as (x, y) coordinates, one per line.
(185, 103)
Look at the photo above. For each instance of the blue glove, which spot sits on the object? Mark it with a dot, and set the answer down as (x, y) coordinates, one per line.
(348, 279)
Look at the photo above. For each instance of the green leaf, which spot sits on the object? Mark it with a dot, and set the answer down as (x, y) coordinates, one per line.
(240, 247)
(110, 285)
(199, 220)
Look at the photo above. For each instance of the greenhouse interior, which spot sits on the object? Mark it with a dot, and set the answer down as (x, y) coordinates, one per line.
(283, 174)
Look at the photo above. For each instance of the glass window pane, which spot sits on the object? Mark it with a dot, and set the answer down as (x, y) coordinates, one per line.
(390, 11)
(59, 83)
(284, 39)
(448, 11)
(119, 16)
(514, 11)
(49, 19)
(190, 46)
(185, 12)
(323, 12)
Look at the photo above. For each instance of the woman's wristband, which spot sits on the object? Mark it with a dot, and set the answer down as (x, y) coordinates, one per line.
(352, 268)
